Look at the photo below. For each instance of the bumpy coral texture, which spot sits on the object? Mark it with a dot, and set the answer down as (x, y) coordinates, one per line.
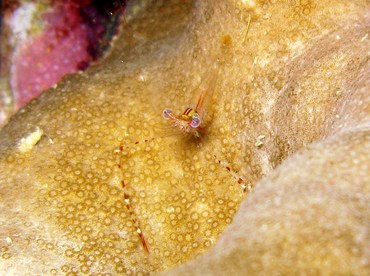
(89, 169)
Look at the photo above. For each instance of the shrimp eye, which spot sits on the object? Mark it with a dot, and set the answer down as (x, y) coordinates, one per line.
(167, 113)
(195, 122)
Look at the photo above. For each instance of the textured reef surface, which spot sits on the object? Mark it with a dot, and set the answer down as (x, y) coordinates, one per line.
(93, 180)
(43, 40)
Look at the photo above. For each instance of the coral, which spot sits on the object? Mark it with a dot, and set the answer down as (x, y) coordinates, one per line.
(310, 223)
(44, 40)
(90, 174)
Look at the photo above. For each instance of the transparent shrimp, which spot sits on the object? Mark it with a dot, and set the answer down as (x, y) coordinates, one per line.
(191, 121)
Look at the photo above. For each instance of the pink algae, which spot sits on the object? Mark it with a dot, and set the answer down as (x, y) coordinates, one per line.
(62, 47)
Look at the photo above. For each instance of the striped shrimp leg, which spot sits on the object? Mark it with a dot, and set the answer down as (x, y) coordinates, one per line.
(127, 200)
(247, 187)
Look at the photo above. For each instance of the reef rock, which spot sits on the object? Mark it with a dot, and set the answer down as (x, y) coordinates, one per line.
(41, 41)
(94, 181)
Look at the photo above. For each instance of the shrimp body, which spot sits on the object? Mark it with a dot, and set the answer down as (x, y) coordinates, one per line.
(188, 123)
(191, 120)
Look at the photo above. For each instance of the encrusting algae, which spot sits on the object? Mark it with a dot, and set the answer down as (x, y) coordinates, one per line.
(103, 191)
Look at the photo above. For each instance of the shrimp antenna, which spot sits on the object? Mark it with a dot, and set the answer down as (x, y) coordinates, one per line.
(247, 30)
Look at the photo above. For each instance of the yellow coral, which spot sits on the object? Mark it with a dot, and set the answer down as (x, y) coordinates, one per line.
(77, 203)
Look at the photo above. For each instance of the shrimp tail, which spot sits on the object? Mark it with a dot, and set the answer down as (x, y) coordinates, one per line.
(207, 88)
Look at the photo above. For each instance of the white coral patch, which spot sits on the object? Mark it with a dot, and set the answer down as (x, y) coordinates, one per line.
(21, 20)
(28, 142)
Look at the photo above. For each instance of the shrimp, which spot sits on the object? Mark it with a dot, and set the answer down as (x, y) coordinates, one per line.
(191, 120)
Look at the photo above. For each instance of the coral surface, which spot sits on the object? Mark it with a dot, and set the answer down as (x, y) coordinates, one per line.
(43, 40)
(94, 181)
